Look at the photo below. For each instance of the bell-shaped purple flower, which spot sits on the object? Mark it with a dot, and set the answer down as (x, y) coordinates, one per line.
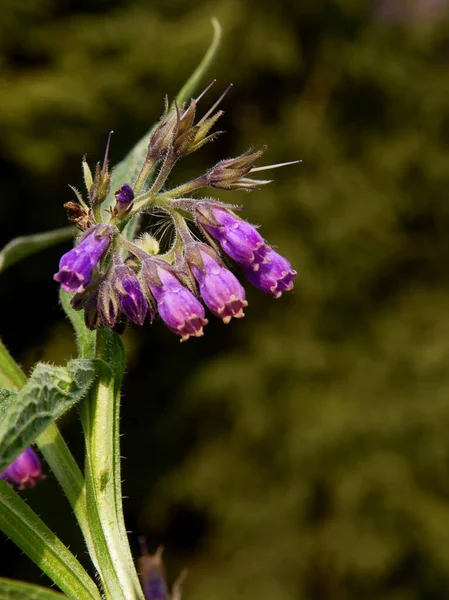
(273, 277)
(219, 288)
(25, 471)
(124, 197)
(77, 265)
(239, 239)
(179, 309)
(131, 298)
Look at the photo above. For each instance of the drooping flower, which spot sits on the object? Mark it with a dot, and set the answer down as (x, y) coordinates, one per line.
(220, 289)
(273, 277)
(131, 298)
(77, 265)
(239, 239)
(180, 310)
(25, 471)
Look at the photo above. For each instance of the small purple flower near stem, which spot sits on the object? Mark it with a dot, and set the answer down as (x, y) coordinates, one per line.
(179, 309)
(131, 298)
(220, 290)
(273, 277)
(77, 265)
(239, 239)
(124, 197)
(25, 471)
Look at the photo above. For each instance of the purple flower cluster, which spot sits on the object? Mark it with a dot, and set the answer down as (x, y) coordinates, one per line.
(115, 279)
(130, 293)
(25, 471)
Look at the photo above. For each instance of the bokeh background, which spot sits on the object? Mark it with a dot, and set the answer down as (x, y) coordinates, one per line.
(304, 451)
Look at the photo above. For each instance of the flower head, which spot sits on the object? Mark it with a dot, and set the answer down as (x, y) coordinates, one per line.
(118, 277)
(77, 265)
(274, 277)
(220, 290)
(25, 471)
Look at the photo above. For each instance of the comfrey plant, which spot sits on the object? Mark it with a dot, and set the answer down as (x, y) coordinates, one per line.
(117, 274)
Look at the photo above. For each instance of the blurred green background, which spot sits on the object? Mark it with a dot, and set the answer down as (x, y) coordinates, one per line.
(304, 451)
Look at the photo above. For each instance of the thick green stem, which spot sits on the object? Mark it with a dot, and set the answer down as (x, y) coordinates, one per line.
(100, 418)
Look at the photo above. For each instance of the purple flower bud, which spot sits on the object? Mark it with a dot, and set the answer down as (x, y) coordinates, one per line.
(131, 298)
(240, 240)
(152, 574)
(219, 288)
(124, 197)
(25, 471)
(77, 265)
(179, 309)
(107, 305)
(273, 277)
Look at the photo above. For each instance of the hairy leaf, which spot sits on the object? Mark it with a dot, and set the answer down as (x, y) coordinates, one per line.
(18, 590)
(11, 375)
(49, 393)
(6, 399)
(25, 528)
(25, 245)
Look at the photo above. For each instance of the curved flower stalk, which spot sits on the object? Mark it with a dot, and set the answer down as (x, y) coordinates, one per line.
(116, 280)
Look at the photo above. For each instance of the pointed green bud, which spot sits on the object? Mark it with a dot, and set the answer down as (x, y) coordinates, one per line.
(87, 173)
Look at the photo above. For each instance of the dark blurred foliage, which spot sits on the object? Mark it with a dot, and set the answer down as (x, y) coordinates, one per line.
(304, 451)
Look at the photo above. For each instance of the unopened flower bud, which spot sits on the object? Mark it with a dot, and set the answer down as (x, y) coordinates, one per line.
(108, 303)
(124, 197)
(25, 471)
(230, 174)
(273, 277)
(179, 309)
(220, 290)
(101, 184)
(151, 571)
(77, 265)
(240, 240)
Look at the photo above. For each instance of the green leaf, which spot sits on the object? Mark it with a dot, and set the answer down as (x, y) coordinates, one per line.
(11, 375)
(52, 445)
(18, 590)
(26, 529)
(24, 246)
(193, 82)
(6, 399)
(50, 391)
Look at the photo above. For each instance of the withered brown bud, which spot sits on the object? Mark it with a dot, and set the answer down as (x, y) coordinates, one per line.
(78, 215)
